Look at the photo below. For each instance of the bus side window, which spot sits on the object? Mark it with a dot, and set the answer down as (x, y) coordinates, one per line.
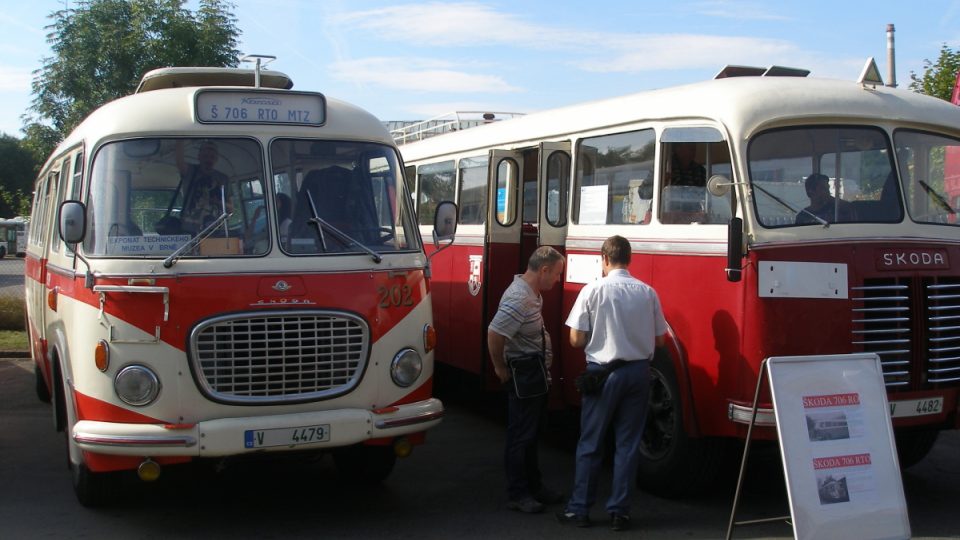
(684, 198)
(613, 179)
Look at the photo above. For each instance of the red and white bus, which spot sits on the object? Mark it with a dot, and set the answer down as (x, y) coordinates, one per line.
(739, 279)
(295, 315)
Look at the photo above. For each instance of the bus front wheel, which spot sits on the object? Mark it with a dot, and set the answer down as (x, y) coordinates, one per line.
(914, 445)
(92, 489)
(367, 464)
(673, 464)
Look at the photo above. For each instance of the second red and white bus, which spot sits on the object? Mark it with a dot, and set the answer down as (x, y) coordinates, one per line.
(740, 277)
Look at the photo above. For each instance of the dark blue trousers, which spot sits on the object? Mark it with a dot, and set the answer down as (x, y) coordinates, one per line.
(622, 405)
(524, 421)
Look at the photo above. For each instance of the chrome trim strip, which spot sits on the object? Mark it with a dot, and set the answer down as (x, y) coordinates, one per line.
(409, 420)
(742, 414)
(123, 440)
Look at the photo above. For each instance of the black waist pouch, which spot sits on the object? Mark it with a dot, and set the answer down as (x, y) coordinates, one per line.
(529, 375)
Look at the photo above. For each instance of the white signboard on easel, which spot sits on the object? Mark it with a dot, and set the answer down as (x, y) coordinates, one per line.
(839, 455)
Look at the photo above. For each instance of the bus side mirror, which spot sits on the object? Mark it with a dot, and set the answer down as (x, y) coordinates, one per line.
(734, 249)
(72, 221)
(445, 223)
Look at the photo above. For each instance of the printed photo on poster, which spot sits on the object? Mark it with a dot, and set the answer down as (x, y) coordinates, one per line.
(833, 417)
(841, 479)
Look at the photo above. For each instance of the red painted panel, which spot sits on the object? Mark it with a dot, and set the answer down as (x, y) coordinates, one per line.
(382, 298)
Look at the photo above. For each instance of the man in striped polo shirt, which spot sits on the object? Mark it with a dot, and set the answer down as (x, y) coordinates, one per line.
(517, 328)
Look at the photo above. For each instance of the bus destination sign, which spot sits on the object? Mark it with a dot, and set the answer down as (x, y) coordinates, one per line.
(240, 107)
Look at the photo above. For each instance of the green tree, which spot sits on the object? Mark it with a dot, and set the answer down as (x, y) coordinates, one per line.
(101, 49)
(938, 77)
(17, 170)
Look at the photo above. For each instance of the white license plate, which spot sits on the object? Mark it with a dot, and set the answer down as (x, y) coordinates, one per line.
(261, 438)
(916, 407)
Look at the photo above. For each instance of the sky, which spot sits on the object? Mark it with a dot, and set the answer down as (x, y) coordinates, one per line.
(419, 59)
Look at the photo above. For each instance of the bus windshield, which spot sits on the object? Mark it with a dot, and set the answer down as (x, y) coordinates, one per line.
(822, 175)
(340, 197)
(149, 197)
(930, 168)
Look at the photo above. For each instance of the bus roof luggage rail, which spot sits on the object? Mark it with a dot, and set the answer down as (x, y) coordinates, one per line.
(179, 77)
(403, 132)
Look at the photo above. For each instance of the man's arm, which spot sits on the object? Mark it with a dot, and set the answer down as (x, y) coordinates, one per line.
(661, 340)
(495, 344)
(578, 338)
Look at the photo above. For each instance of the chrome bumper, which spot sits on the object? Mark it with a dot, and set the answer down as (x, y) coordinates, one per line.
(225, 436)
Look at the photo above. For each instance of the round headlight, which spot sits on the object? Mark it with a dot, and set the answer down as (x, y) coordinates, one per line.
(137, 385)
(406, 367)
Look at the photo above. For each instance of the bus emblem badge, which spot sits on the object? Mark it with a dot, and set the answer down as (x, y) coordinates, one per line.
(473, 284)
(281, 286)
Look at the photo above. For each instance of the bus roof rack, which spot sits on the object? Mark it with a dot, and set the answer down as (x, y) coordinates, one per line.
(751, 71)
(178, 77)
(404, 132)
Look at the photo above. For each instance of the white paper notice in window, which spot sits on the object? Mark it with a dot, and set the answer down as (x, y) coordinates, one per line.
(593, 205)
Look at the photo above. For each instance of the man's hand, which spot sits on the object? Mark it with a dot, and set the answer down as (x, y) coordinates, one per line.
(495, 344)
(502, 371)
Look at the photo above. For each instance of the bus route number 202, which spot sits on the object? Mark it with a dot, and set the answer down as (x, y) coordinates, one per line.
(395, 296)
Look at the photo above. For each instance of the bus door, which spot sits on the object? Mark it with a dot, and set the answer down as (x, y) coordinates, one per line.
(36, 265)
(553, 186)
(502, 257)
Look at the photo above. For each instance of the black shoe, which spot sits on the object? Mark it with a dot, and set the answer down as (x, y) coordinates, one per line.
(569, 518)
(546, 495)
(619, 522)
(527, 505)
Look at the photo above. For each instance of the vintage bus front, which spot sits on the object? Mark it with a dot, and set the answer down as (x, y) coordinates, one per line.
(246, 277)
(852, 246)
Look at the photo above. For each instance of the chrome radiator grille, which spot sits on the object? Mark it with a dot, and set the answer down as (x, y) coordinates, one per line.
(913, 324)
(882, 324)
(943, 343)
(279, 357)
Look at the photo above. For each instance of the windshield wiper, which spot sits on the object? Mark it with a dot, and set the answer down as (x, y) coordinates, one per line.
(172, 259)
(822, 221)
(344, 237)
(937, 197)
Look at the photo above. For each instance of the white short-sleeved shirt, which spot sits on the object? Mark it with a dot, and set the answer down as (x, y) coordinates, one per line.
(520, 320)
(622, 315)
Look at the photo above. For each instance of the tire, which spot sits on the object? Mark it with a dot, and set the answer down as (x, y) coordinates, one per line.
(368, 465)
(914, 445)
(43, 393)
(92, 489)
(672, 464)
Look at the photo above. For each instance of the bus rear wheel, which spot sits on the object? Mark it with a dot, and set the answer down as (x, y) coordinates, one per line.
(672, 464)
(367, 464)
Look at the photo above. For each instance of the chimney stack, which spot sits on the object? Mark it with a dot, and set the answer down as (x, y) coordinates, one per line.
(891, 62)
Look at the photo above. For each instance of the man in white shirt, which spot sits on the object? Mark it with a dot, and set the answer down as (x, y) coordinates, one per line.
(618, 321)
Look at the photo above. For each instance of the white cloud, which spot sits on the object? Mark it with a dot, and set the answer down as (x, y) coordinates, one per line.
(686, 51)
(736, 9)
(15, 79)
(473, 24)
(459, 24)
(416, 74)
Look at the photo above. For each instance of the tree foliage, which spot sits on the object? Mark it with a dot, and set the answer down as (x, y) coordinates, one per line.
(101, 49)
(17, 170)
(938, 77)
